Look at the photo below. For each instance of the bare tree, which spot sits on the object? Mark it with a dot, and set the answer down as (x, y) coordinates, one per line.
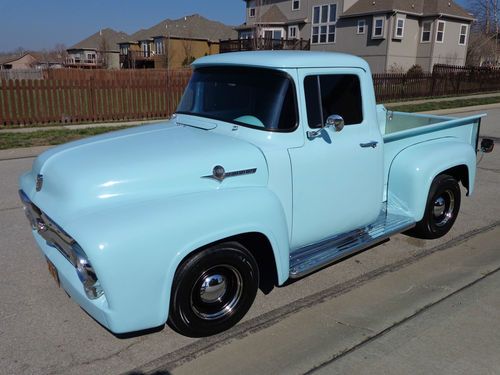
(484, 38)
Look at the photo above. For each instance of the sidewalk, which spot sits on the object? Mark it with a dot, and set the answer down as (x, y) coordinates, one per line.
(444, 99)
(80, 126)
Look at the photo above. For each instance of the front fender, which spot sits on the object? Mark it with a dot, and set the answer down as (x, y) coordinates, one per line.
(136, 249)
(413, 170)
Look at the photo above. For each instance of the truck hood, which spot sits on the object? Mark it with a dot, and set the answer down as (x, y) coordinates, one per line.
(139, 164)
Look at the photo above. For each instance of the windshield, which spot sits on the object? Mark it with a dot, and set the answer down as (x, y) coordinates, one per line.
(258, 98)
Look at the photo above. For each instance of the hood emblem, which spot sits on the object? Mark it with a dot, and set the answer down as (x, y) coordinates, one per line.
(219, 173)
(39, 182)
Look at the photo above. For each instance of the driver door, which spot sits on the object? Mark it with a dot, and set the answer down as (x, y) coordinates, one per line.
(337, 178)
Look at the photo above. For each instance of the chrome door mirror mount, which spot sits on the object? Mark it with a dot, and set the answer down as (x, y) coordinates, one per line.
(336, 121)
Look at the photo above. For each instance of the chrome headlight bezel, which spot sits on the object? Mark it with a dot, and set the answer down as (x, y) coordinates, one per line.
(87, 275)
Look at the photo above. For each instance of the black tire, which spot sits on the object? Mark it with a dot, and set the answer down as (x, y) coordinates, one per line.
(232, 274)
(441, 210)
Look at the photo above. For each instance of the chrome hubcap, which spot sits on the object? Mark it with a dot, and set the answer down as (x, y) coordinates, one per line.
(443, 208)
(213, 288)
(217, 292)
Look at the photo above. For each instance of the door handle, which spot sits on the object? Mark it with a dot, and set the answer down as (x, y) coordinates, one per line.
(371, 144)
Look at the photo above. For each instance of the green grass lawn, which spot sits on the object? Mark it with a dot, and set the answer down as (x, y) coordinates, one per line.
(444, 104)
(50, 137)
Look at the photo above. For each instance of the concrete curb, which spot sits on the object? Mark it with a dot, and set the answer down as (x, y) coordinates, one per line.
(22, 153)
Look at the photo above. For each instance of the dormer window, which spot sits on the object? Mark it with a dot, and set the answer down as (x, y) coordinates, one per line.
(295, 4)
(251, 12)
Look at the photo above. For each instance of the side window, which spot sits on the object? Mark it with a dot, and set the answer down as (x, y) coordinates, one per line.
(340, 95)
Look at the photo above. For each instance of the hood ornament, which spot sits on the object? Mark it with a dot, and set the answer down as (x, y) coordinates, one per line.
(39, 182)
(219, 173)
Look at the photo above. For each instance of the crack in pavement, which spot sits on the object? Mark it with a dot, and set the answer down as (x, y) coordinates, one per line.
(100, 359)
(354, 326)
(189, 352)
(10, 208)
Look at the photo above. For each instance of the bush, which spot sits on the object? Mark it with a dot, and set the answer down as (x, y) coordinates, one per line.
(415, 70)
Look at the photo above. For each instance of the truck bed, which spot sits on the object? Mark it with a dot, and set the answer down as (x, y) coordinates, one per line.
(401, 130)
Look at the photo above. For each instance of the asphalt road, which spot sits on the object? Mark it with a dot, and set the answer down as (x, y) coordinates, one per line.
(43, 332)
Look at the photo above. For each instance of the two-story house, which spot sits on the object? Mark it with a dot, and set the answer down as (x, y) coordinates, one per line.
(173, 43)
(389, 34)
(100, 50)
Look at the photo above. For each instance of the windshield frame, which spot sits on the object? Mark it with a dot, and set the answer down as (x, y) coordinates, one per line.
(240, 68)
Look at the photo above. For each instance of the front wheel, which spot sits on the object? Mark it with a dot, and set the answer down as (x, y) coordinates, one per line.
(441, 210)
(213, 290)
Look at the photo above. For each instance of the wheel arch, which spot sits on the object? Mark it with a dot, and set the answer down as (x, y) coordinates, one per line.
(259, 245)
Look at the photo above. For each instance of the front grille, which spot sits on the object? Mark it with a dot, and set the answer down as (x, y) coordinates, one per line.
(49, 230)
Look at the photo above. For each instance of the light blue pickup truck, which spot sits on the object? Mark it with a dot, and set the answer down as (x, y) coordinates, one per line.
(275, 165)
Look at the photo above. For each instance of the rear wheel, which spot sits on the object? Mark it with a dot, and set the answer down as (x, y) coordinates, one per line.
(443, 204)
(213, 290)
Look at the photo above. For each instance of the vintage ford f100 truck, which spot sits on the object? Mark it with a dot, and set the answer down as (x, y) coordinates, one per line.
(275, 164)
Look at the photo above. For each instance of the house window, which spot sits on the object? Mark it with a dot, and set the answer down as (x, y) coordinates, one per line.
(146, 49)
(462, 37)
(336, 94)
(246, 34)
(400, 28)
(293, 32)
(426, 32)
(124, 50)
(323, 27)
(378, 27)
(159, 47)
(361, 26)
(440, 32)
(295, 4)
(251, 12)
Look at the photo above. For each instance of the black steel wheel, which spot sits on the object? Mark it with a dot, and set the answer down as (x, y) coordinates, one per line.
(213, 290)
(441, 211)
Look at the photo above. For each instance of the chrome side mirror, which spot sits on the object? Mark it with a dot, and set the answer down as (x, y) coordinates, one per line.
(336, 121)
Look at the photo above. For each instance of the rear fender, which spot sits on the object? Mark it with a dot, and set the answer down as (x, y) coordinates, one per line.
(413, 170)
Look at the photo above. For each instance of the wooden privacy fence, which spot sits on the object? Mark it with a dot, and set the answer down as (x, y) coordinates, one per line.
(77, 96)
(63, 96)
(444, 80)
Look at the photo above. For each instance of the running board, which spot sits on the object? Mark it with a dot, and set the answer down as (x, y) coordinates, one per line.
(313, 257)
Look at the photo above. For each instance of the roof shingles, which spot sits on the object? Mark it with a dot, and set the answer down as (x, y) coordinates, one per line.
(420, 7)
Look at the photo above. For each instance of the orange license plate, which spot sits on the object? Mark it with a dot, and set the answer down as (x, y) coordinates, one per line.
(53, 272)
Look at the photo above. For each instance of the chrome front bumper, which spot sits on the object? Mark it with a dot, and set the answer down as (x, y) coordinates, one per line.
(49, 230)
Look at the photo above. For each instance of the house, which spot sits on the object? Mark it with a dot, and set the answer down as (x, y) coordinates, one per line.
(392, 35)
(21, 61)
(173, 43)
(100, 50)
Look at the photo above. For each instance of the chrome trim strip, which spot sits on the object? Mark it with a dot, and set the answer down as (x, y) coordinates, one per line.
(313, 257)
(221, 177)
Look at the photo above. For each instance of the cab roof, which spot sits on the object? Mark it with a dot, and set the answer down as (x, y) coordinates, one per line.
(283, 59)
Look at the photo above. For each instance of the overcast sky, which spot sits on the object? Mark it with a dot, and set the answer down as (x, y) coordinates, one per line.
(41, 24)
